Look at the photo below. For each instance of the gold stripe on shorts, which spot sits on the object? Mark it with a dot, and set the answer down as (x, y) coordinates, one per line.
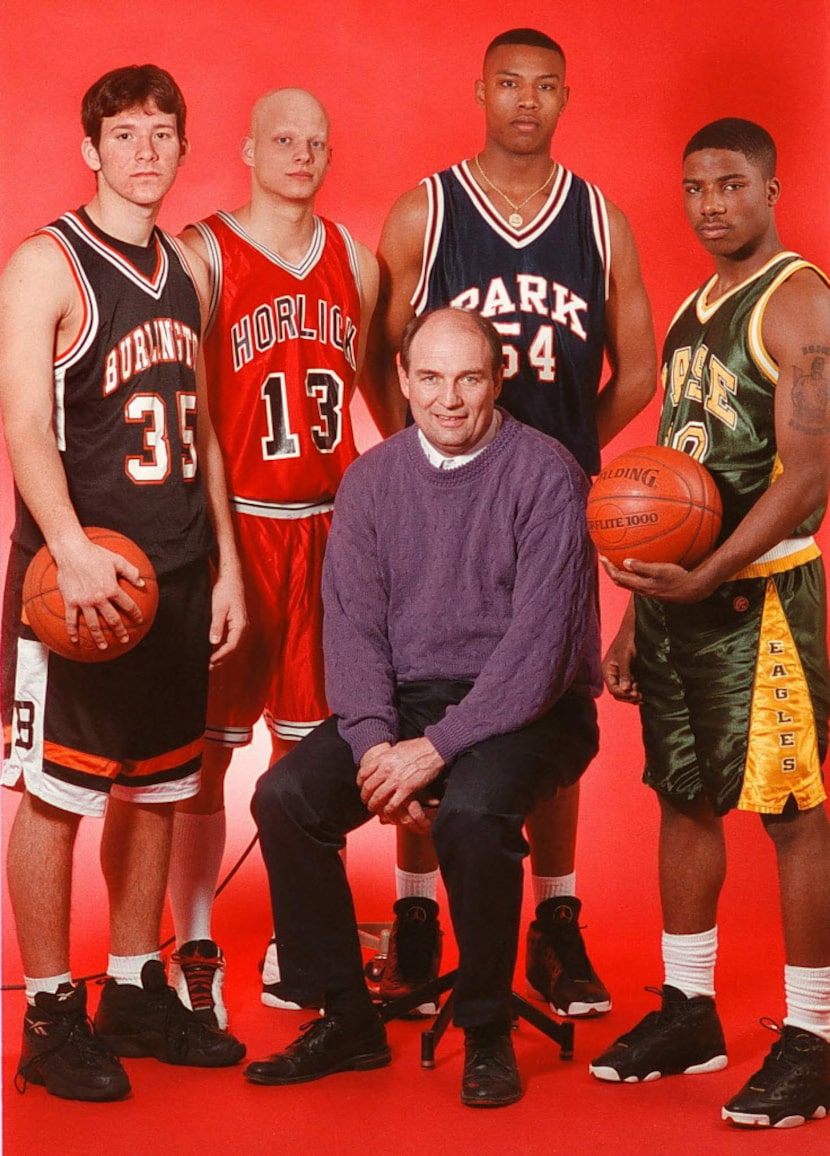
(782, 752)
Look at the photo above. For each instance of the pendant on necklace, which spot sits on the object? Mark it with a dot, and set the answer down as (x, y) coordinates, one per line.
(515, 220)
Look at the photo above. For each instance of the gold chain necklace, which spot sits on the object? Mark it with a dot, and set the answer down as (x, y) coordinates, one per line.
(515, 220)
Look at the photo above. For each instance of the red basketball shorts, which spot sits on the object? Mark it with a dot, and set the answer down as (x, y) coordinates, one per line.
(278, 668)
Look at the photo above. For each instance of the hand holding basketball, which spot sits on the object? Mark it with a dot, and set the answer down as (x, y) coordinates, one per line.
(654, 504)
(118, 617)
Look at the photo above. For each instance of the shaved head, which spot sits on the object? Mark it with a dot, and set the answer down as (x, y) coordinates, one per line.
(286, 102)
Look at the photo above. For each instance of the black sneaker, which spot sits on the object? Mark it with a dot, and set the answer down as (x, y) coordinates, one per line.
(557, 966)
(792, 1087)
(491, 1078)
(197, 972)
(62, 1053)
(274, 991)
(330, 1044)
(684, 1037)
(414, 952)
(151, 1020)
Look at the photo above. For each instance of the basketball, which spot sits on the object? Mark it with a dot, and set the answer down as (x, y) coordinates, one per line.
(654, 504)
(43, 606)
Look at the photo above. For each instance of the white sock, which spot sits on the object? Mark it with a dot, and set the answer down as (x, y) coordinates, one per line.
(49, 983)
(127, 968)
(195, 863)
(411, 883)
(551, 886)
(689, 962)
(808, 999)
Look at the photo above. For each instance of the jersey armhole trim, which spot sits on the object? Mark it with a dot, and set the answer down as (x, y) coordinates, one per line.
(214, 262)
(755, 337)
(602, 232)
(432, 238)
(354, 262)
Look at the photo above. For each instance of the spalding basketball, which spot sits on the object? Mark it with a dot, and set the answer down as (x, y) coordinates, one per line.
(43, 606)
(654, 504)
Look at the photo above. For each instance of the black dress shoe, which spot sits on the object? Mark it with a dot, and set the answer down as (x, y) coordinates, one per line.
(327, 1045)
(491, 1078)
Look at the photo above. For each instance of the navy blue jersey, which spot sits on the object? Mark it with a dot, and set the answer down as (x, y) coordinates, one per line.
(544, 287)
(125, 396)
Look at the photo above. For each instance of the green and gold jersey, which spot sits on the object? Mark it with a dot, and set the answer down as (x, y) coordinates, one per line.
(719, 382)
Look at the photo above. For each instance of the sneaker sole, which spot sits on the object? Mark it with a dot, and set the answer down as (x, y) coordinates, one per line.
(612, 1076)
(574, 1010)
(87, 1095)
(134, 1048)
(759, 1120)
(365, 1063)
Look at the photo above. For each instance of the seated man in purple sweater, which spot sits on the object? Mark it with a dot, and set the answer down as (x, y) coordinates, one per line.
(461, 646)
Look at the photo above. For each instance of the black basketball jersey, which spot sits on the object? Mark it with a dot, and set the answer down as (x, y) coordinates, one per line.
(544, 287)
(125, 396)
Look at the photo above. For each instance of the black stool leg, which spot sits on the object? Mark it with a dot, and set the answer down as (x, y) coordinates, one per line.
(431, 1037)
(562, 1034)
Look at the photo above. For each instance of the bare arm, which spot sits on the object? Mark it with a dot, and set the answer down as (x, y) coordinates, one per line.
(796, 326)
(399, 256)
(369, 281)
(40, 316)
(629, 336)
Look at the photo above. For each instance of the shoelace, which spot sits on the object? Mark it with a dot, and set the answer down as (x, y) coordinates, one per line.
(570, 947)
(198, 972)
(79, 1031)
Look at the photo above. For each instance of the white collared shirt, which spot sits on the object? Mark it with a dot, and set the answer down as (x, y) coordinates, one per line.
(452, 462)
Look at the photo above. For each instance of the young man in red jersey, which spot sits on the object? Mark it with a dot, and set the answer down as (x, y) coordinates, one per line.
(291, 296)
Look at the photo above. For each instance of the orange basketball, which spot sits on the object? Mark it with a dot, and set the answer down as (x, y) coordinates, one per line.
(654, 504)
(43, 606)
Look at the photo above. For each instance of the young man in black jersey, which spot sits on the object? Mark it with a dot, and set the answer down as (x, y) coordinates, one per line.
(516, 236)
(100, 384)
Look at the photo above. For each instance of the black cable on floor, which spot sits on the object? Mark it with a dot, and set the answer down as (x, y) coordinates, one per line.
(172, 939)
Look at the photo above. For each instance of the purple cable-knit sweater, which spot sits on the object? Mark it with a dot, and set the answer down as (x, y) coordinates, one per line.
(482, 572)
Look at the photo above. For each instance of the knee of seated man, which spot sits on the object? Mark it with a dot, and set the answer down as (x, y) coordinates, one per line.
(462, 824)
(274, 791)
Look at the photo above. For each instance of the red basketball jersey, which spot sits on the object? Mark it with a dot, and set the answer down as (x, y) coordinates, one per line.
(280, 351)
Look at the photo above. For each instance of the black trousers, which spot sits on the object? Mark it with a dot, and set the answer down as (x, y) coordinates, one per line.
(307, 802)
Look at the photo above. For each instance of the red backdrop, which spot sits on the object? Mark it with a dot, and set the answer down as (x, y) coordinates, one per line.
(398, 83)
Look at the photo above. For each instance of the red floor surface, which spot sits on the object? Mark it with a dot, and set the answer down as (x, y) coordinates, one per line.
(404, 1109)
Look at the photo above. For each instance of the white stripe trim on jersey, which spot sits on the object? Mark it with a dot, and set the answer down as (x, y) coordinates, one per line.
(354, 261)
(526, 234)
(300, 271)
(755, 329)
(602, 232)
(88, 328)
(288, 511)
(229, 736)
(215, 271)
(172, 792)
(785, 549)
(154, 286)
(290, 731)
(432, 240)
(705, 312)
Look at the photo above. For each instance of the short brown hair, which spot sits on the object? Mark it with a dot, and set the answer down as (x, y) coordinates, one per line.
(486, 328)
(137, 84)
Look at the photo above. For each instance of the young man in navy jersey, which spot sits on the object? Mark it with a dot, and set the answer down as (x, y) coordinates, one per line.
(458, 654)
(514, 235)
(100, 385)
